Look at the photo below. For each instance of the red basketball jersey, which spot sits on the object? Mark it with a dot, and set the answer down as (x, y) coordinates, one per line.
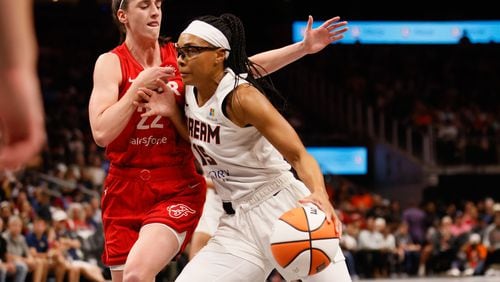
(149, 142)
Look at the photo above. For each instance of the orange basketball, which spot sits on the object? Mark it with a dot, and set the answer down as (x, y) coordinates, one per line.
(302, 242)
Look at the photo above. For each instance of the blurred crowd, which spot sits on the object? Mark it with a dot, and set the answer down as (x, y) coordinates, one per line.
(51, 222)
(449, 91)
(383, 239)
(51, 229)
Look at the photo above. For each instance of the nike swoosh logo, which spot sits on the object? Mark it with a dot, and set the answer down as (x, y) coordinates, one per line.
(193, 186)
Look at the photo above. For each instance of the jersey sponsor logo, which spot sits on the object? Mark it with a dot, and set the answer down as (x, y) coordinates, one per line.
(203, 131)
(211, 115)
(219, 174)
(148, 141)
(179, 210)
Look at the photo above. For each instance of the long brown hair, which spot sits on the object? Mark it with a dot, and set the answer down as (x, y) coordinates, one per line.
(115, 6)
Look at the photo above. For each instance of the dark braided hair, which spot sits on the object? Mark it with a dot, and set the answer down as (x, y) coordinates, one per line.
(232, 27)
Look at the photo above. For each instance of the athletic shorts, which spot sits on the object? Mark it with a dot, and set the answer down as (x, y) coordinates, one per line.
(246, 235)
(133, 198)
(212, 211)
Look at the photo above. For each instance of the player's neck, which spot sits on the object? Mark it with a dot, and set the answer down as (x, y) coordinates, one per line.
(146, 53)
(207, 89)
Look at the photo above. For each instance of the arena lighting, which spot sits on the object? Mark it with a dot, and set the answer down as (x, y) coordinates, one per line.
(413, 32)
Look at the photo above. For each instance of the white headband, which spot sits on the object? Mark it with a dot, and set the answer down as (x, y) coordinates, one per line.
(208, 33)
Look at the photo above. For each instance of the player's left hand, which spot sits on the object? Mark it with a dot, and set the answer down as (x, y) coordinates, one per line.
(330, 31)
(158, 102)
(322, 201)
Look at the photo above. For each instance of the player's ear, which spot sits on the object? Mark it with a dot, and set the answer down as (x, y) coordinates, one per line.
(121, 16)
(220, 56)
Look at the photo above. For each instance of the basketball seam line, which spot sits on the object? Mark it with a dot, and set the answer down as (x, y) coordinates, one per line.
(303, 240)
(310, 242)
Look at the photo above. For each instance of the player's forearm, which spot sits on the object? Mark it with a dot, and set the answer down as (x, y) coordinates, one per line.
(309, 172)
(276, 59)
(17, 37)
(111, 122)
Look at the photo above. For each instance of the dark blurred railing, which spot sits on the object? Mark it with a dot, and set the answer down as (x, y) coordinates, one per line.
(343, 113)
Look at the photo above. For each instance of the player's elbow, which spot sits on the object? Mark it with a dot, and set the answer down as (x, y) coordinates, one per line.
(100, 138)
(294, 158)
(100, 142)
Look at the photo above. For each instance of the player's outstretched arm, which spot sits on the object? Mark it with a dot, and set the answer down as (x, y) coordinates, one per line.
(314, 41)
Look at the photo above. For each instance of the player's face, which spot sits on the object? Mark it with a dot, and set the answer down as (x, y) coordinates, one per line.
(199, 62)
(143, 17)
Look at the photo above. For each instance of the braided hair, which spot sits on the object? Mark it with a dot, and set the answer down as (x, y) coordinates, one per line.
(232, 27)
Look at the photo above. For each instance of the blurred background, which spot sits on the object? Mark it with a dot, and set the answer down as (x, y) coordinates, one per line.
(419, 123)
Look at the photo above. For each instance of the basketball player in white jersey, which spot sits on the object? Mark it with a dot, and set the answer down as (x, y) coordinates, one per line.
(314, 41)
(246, 147)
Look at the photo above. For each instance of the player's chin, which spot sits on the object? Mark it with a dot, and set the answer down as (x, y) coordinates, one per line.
(152, 33)
(186, 78)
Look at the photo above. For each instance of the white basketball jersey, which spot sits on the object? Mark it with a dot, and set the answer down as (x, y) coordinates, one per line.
(237, 159)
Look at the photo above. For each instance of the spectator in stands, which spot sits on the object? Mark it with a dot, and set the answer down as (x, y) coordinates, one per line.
(389, 251)
(486, 212)
(70, 245)
(492, 242)
(18, 249)
(40, 249)
(470, 259)
(408, 253)
(94, 171)
(460, 228)
(6, 210)
(371, 243)
(476, 253)
(41, 203)
(441, 250)
(349, 244)
(7, 265)
(414, 216)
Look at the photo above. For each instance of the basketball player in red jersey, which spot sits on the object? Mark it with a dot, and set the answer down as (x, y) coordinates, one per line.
(153, 196)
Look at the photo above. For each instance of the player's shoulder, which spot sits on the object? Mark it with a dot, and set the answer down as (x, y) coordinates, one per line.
(247, 93)
(108, 57)
(107, 66)
(108, 60)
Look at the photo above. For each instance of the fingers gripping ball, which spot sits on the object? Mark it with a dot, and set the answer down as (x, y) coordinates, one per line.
(302, 241)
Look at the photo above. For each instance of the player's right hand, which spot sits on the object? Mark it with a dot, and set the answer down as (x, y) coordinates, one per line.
(149, 77)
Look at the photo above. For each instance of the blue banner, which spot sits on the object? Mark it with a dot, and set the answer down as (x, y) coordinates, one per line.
(413, 32)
